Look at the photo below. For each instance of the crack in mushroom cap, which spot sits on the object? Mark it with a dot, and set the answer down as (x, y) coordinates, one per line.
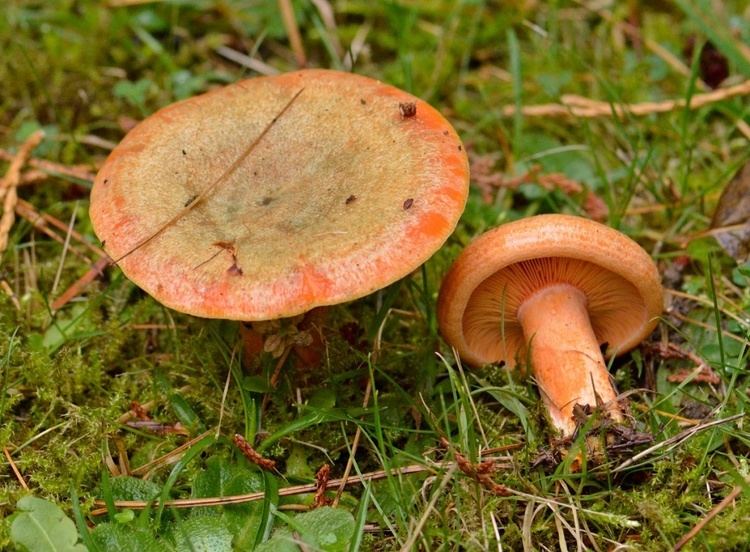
(343, 196)
(480, 295)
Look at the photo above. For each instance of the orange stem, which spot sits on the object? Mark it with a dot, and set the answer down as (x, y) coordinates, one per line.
(565, 356)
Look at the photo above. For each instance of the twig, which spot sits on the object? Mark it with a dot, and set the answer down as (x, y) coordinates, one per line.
(96, 270)
(687, 537)
(292, 31)
(39, 220)
(208, 190)
(10, 293)
(17, 473)
(288, 491)
(672, 442)
(80, 172)
(578, 106)
(8, 184)
(260, 495)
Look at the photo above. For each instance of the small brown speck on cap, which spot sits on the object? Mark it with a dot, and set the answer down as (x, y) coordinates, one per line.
(408, 203)
(407, 109)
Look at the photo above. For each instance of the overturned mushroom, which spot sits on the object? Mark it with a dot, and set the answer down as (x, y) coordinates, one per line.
(272, 196)
(553, 287)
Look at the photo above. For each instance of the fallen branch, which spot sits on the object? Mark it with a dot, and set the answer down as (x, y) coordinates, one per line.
(577, 106)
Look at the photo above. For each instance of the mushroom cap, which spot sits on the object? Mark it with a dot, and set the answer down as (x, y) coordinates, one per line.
(347, 192)
(489, 281)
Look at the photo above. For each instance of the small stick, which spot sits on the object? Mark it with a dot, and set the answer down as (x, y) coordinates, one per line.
(10, 293)
(27, 211)
(577, 106)
(96, 270)
(80, 172)
(9, 183)
(292, 31)
(687, 537)
(260, 495)
(17, 473)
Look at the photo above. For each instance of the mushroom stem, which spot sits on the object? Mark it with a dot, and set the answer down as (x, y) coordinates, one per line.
(565, 356)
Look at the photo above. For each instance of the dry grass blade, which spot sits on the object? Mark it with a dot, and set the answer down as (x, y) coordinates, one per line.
(672, 442)
(292, 31)
(409, 544)
(355, 445)
(577, 106)
(140, 470)
(9, 183)
(246, 61)
(211, 188)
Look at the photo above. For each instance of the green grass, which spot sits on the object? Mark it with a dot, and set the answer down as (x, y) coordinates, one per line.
(76, 68)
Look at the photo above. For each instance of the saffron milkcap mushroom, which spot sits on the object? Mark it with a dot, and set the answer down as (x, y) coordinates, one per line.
(269, 197)
(552, 288)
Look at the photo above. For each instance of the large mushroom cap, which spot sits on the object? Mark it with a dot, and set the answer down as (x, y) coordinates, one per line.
(481, 294)
(352, 187)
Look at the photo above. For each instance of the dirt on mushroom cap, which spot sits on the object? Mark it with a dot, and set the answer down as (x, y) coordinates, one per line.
(282, 234)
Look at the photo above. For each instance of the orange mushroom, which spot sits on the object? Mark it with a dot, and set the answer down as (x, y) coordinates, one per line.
(553, 288)
(275, 195)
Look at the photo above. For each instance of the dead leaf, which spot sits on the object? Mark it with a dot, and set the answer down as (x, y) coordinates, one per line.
(731, 220)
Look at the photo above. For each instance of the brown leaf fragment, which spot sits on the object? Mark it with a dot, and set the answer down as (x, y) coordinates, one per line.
(731, 220)
(481, 472)
(321, 482)
(714, 67)
(251, 454)
(139, 411)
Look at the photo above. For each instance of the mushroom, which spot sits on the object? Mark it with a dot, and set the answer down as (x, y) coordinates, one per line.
(552, 288)
(272, 196)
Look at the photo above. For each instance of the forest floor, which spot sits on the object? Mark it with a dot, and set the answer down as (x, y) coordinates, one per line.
(106, 395)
